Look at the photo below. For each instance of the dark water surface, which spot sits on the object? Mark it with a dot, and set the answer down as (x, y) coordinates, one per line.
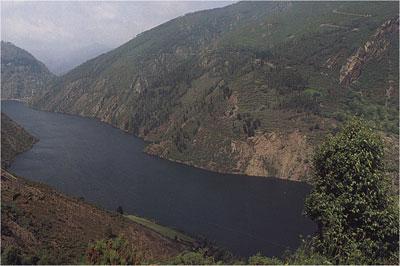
(84, 157)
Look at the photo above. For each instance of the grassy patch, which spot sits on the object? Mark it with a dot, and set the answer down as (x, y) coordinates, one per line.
(164, 231)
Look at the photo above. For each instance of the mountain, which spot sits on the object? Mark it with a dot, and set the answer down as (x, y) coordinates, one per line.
(14, 140)
(250, 88)
(22, 75)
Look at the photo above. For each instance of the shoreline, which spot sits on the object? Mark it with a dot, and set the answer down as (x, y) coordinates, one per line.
(146, 143)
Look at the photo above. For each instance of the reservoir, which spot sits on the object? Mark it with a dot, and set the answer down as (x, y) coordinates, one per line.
(86, 158)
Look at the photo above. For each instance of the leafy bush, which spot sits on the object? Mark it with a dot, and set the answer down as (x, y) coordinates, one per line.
(115, 251)
(306, 255)
(356, 216)
(258, 259)
(11, 255)
(192, 258)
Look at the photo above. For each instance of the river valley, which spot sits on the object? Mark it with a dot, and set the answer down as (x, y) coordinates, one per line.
(86, 158)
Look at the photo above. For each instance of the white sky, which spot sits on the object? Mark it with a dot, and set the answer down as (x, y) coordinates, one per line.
(55, 28)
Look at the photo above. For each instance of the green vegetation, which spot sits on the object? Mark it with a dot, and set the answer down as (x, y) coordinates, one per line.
(182, 85)
(258, 259)
(192, 258)
(115, 251)
(11, 256)
(352, 201)
(41, 226)
(207, 80)
(22, 75)
(164, 231)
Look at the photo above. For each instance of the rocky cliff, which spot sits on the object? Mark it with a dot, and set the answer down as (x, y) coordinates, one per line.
(372, 49)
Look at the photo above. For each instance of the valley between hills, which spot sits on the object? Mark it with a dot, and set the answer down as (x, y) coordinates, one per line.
(253, 88)
(244, 81)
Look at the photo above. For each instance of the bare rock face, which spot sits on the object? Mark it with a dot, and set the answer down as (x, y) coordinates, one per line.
(273, 154)
(373, 48)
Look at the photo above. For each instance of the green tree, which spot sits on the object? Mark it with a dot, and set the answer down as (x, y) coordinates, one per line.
(120, 210)
(351, 202)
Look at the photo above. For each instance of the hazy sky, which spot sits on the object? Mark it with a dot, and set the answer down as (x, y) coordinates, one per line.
(53, 29)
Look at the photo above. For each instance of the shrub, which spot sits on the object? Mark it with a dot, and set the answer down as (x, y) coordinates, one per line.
(11, 255)
(258, 259)
(115, 251)
(306, 255)
(192, 258)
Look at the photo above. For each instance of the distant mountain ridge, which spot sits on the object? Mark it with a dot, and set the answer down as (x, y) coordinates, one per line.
(249, 88)
(22, 75)
(63, 62)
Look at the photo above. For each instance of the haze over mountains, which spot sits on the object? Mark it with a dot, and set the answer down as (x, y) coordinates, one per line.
(68, 59)
(65, 34)
(253, 88)
(259, 83)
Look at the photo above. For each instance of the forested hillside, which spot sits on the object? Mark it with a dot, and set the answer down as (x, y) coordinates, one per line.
(249, 88)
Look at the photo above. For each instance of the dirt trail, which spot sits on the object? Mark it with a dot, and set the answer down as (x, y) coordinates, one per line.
(333, 26)
(351, 14)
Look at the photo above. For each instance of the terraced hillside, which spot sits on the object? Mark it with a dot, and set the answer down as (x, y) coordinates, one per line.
(22, 75)
(249, 88)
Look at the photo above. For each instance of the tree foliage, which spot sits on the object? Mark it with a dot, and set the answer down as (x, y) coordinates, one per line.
(115, 251)
(192, 258)
(351, 202)
(258, 259)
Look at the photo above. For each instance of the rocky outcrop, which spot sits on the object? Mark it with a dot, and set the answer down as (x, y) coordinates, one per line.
(373, 48)
(272, 154)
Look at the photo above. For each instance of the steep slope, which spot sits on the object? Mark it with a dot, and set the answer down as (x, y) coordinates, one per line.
(249, 88)
(14, 140)
(22, 75)
(40, 225)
